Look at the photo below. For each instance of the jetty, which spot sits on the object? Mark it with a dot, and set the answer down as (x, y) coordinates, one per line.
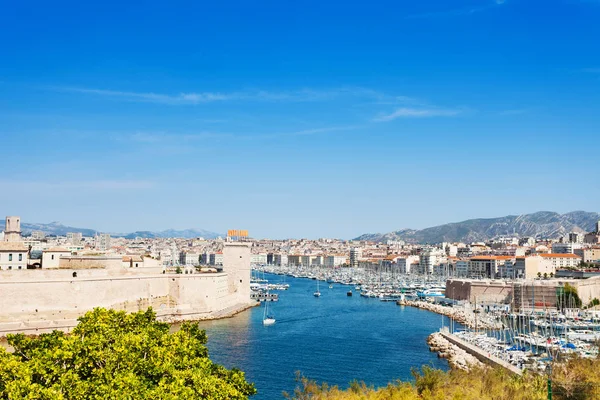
(479, 354)
(463, 314)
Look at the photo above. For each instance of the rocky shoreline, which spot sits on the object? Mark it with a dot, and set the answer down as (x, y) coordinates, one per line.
(458, 314)
(457, 357)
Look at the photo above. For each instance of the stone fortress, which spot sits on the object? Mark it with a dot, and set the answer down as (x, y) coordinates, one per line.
(52, 296)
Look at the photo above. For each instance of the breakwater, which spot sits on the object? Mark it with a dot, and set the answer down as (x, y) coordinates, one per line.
(456, 356)
(463, 315)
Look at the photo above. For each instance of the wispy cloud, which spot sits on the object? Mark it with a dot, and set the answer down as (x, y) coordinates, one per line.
(407, 112)
(92, 185)
(162, 138)
(193, 98)
(457, 11)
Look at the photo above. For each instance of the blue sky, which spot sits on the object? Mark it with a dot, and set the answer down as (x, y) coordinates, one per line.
(297, 119)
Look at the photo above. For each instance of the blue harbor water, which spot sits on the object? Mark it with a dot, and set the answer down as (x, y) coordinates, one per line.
(333, 339)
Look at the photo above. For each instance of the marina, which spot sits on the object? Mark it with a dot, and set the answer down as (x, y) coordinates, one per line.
(335, 339)
(524, 340)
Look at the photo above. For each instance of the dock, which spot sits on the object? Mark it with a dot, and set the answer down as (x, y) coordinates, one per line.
(480, 354)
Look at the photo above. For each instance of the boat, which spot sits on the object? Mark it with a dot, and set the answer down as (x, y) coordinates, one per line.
(330, 286)
(349, 293)
(268, 319)
(317, 293)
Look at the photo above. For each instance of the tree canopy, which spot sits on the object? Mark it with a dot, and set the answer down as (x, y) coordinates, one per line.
(114, 355)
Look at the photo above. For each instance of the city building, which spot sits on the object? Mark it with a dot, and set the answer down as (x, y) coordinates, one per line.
(189, 258)
(355, 255)
(589, 255)
(74, 238)
(51, 257)
(428, 258)
(486, 266)
(38, 235)
(102, 242)
(13, 255)
(559, 261)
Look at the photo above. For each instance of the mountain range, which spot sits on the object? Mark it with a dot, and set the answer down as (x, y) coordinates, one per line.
(543, 224)
(58, 229)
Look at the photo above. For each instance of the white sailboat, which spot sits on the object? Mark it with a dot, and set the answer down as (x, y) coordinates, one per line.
(317, 293)
(268, 319)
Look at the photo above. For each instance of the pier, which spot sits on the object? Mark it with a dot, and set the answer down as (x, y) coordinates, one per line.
(480, 354)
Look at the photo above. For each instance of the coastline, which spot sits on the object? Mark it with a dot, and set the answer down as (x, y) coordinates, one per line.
(37, 327)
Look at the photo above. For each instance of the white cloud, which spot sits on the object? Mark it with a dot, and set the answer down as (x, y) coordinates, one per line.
(406, 112)
(192, 98)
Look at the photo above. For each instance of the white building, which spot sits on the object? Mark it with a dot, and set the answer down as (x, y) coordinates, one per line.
(280, 260)
(405, 264)
(430, 257)
(258, 259)
(13, 255)
(74, 238)
(216, 259)
(103, 242)
(335, 260)
(189, 258)
(559, 261)
(51, 257)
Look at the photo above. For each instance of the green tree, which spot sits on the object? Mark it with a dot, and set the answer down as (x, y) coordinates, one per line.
(178, 270)
(115, 355)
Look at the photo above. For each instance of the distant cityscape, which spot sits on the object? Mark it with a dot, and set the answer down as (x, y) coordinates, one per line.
(502, 257)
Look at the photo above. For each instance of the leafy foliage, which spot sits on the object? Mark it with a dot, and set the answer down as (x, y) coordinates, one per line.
(574, 379)
(115, 355)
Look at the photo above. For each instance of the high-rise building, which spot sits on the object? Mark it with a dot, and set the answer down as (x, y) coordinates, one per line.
(355, 254)
(598, 227)
(12, 231)
(74, 238)
(103, 242)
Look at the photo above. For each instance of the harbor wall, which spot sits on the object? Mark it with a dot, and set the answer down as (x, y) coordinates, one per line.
(37, 301)
(480, 291)
(480, 354)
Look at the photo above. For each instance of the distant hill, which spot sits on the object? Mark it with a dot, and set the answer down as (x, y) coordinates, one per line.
(543, 224)
(58, 229)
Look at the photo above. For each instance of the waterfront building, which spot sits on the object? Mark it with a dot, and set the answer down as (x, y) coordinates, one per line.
(335, 260)
(430, 257)
(462, 268)
(12, 230)
(258, 259)
(405, 264)
(355, 255)
(281, 260)
(486, 266)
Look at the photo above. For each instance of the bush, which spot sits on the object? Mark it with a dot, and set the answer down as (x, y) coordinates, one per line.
(115, 355)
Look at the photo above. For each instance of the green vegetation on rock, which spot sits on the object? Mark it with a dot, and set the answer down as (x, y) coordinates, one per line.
(115, 355)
